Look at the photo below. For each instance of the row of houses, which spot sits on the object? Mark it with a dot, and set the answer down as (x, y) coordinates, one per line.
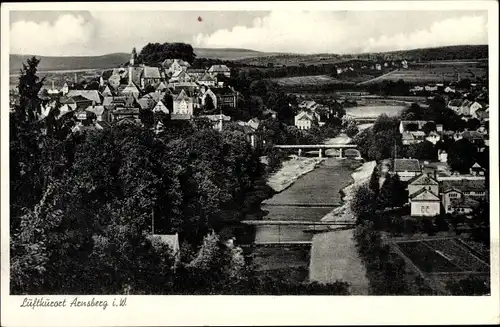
(470, 109)
(349, 66)
(431, 190)
(413, 132)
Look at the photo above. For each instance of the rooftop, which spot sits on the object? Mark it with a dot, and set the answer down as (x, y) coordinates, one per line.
(409, 165)
(464, 185)
(424, 195)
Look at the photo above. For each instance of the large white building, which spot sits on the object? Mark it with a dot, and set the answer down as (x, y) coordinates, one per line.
(304, 119)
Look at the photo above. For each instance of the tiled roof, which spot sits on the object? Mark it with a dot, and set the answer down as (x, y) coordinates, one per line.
(422, 179)
(464, 185)
(196, 71)
(79, 98)
(183, 96)
(151, 72)
(410, 165)
(107, 101)
(160, 86)
(465, 202)
(89, 94)
(219, 68)
(146, 103)
(424, 195)
(206, 78)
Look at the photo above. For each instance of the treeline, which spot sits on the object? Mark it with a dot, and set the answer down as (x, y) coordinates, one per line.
(456, 52)
(154, 54)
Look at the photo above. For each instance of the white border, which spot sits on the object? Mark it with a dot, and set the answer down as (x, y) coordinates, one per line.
(256, 310)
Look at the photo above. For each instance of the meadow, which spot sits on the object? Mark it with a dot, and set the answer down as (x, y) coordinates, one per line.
(306, 80)
(437, 73)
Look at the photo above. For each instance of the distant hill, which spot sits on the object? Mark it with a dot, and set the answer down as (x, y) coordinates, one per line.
(117, 59)
(253, 57)
(459, 52)
(455, 52)
(70, 63)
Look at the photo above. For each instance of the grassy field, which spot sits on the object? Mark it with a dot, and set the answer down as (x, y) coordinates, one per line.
(306, 80)
(436, 73)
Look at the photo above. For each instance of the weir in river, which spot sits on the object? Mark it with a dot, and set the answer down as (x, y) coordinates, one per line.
(309, 199)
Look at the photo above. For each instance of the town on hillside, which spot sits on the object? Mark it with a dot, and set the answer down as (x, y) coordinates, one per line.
(278, 174)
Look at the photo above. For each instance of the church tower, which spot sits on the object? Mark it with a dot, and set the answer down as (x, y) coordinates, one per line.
(131, 64)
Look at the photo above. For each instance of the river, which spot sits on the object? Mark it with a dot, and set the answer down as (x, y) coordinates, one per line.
(317, 193)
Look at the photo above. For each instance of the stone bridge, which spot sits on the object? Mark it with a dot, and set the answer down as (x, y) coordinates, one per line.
(320, 147)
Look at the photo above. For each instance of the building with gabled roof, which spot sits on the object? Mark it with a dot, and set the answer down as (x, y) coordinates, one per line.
(92, 95)
(418, 182)
(304, 119)
(456, 201)
(207, 80)
(407, 168)
(146, 103)
(219, 69)
(471, 187)
(161, 107)
(183, 104)
(425, 203)
(99, 111)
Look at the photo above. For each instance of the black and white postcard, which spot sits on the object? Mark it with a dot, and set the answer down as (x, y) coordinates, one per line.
(247, 163)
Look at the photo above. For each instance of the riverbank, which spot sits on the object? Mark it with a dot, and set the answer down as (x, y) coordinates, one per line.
(360, 175)
(290, 171)
(333, 252)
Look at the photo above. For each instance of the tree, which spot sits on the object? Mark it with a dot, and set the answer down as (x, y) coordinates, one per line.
(363, 203)
(473, 124)
(26, 131)
(156, 53)
(468, 286)
(209, 106)
(428, 127)
(461, 155)
(424, 150)
(352, 129)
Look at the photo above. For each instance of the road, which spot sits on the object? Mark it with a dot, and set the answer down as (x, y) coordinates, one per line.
(377, 78)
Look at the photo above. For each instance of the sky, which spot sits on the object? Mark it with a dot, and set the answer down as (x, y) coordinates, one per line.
(80, 33)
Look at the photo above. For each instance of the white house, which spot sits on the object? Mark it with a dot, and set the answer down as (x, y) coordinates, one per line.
(424, 203)
(304, 119)
(183, 104)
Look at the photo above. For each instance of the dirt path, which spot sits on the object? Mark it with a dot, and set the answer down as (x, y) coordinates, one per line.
(377, 78)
